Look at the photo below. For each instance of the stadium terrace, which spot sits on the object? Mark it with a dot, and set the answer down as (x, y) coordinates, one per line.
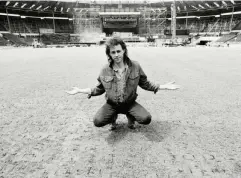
(163, 22)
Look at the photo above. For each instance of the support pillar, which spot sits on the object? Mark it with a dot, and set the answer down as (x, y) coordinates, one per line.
(9, 24)
(53, 22)
(231, 21)
(186, 21)
(173, 23)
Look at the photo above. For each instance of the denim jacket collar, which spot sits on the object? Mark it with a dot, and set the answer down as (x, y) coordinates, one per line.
(129, 69)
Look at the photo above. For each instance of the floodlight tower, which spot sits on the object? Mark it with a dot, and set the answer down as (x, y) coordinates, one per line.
(173, 23)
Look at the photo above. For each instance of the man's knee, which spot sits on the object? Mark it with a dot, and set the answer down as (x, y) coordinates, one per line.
(98, 123)
(146, 120)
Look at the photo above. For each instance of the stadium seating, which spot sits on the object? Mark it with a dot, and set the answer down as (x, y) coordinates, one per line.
(2, 28)
(237, 26)
(236, 39)
(75, 39)
(14, 39)
(207, 24)
(29, 41)
(227, 37)
(63, 26)
(3, 42)
(3, 24)
(32, 25)
(17, 26)
(49, 39)
(41, 24)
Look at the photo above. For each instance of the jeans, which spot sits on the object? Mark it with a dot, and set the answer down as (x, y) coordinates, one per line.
(134, 110)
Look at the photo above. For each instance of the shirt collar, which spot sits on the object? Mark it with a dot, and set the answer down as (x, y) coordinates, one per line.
(116, 69)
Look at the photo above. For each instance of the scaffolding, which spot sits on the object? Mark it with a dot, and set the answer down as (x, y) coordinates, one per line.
(152, 21)
(87, 20)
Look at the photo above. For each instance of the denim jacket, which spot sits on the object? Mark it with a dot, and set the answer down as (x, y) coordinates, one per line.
(107, 82)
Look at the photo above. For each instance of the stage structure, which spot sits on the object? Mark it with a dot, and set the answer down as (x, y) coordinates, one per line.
(142, 20)
(152, 21)
(87, 20)
(87, 24)
(120, 22)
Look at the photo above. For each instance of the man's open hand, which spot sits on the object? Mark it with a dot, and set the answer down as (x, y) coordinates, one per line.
(170, 86)
(74, 91)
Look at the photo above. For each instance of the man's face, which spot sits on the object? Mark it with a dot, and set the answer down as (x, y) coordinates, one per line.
(117, 53)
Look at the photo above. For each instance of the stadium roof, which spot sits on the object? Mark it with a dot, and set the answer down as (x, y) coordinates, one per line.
(68, 6)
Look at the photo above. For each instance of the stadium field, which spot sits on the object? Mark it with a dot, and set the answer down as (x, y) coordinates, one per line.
(195, 131)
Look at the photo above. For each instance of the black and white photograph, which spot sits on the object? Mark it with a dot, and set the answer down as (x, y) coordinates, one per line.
(120, 89)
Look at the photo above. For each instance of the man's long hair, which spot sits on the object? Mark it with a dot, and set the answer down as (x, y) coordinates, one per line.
(113, 42)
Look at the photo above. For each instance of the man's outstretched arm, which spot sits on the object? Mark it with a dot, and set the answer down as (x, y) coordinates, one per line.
(76, 90)
(145, 84)
(169, 86)
(150, 86)
(97, 90)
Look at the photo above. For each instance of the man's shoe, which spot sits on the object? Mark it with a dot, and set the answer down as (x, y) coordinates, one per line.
(113, 123)
(131, 122)
(132, 126)
(113, 126)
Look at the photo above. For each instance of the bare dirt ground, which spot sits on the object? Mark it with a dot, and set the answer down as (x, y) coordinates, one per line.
(195, 131)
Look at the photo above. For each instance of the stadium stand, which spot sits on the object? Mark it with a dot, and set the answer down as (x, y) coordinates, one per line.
(227, 37)
(3, 42)
(2, 28)
(74, 39)
(14, 39)
(50, 39)
(58, 26)
(236, 39)
(17, 26)
(32, 25)
(207, 24)
(3, 23)
(63, 26)
(237, 27)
